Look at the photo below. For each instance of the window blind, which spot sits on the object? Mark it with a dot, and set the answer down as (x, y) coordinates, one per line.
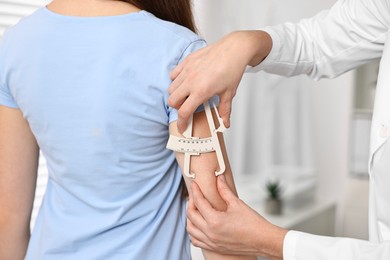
(11, 11)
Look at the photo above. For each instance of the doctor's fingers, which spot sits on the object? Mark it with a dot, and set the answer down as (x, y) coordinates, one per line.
(196, 230)
(201, 205)
(231, 199)
(225, 108)
(195, 222)
(206, 241)
(198, 238)
(181, 70)
(189, 106)
(174, 74)
(185, 73)
(178, 76)
(177, 92)
(198, 243)
(193, 215)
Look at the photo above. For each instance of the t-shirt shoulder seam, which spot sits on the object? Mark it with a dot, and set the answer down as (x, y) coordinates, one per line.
(188, 46)
(3, 46)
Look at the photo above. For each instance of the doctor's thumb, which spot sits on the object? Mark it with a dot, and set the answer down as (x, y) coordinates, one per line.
(224, 190)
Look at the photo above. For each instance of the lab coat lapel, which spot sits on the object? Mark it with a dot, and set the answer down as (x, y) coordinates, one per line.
(380, 129)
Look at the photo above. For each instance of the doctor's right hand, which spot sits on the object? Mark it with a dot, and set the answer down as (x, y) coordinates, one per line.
(215, 70)
(238, 231)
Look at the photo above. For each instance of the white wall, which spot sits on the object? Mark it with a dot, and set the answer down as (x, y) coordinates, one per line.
(331, 114)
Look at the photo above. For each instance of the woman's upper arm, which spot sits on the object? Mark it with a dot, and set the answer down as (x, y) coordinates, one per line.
(19, 154)
(205, 165)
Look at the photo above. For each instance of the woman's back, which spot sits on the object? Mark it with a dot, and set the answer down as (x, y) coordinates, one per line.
(93, 90)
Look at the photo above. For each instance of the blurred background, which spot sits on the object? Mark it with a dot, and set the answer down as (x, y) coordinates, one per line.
(311, 137)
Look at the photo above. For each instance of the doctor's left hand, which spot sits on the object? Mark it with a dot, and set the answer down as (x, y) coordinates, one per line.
(215, 70)
(238, 230)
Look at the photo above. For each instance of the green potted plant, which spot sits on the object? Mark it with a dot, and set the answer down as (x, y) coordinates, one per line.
(273, 202)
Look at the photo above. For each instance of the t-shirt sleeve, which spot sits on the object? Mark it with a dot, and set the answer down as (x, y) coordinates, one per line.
(6, 98)
(192, 47)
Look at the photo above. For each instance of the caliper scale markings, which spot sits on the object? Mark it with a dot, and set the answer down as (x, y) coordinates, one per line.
(193, 145)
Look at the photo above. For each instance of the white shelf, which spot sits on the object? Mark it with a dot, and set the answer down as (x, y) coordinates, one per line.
(292, 216)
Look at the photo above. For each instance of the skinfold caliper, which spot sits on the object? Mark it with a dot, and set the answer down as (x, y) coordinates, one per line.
(193, 146)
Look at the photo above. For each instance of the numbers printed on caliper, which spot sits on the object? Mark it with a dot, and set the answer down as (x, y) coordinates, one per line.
(193, 145)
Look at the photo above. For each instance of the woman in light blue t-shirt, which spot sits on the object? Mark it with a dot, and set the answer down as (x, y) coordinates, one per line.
(85, 82)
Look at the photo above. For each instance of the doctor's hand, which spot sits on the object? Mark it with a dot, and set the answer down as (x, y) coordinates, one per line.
(215, 70)
(238, 230)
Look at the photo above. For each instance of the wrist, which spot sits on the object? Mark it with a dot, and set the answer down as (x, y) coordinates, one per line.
(270, 241)
(280, 234)
(255, 45)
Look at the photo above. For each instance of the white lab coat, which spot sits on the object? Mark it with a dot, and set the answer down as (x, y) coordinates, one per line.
(351, 33)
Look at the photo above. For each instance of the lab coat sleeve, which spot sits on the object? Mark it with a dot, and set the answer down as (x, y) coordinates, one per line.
(351, 33)
(303, 246)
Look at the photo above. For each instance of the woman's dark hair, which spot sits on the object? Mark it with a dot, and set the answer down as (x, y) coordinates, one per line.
(177, 11)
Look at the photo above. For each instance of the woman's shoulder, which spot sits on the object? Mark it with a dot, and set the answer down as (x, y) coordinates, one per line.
(176, 31)
(24, 26)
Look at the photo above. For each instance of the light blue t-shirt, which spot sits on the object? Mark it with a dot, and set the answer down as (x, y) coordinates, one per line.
(94, 92)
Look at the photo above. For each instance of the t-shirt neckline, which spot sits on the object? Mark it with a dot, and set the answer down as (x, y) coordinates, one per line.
(91, 18)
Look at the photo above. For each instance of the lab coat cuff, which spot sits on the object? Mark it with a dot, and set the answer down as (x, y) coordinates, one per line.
(272, 56)
(290, 245)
